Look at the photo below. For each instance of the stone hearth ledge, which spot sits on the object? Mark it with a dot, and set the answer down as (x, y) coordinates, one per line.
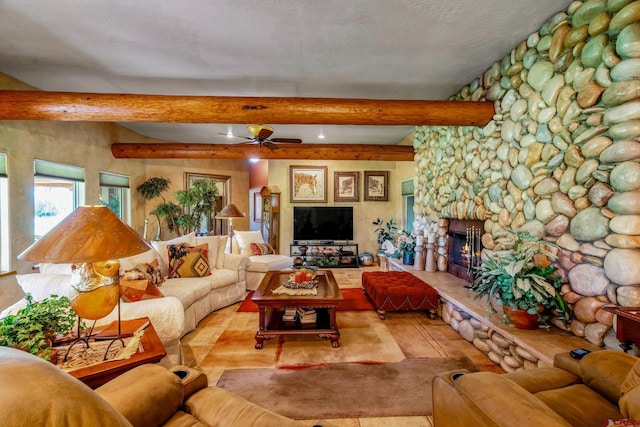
(542, 344)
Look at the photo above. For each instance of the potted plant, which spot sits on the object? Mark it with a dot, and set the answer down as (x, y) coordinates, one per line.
(34, 327)
(386, 232)
(522, 279)
(406, 247)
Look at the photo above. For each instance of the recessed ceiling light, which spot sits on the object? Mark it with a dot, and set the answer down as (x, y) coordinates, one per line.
(321, 135)
(253, 160)
(229, 132)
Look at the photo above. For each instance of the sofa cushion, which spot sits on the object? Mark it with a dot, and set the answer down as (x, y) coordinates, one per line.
(540, 379)
(222, 277)
(245, 238)
(264, 263)
(46, 267)
(147, 396)
(37, 393)
(187, 289)
(630, 400)
(43, 285)
(147, 257)
(605, 372)
(161, 247)
(212, 242)
(188, 261)
(580, 405)
(222, 248)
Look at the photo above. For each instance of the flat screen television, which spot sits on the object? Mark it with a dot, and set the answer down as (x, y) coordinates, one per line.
(323, 223)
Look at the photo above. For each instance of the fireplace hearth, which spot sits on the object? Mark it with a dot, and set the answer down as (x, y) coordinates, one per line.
(465, 247)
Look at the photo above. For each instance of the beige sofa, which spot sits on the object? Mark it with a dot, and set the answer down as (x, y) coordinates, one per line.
(36, 393)
(186, 301)
(601, 389)
(259, 264)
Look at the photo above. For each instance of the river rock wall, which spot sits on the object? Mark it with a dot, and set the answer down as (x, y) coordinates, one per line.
(560, 158)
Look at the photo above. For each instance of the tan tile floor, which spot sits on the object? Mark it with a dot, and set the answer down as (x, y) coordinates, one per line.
(225, 340)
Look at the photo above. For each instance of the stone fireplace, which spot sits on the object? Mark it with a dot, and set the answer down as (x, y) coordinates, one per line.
(465, 246)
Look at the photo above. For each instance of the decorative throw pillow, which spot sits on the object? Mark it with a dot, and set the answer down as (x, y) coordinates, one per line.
(133, 290)
(148, 270)
(261, 249)
(188, 261)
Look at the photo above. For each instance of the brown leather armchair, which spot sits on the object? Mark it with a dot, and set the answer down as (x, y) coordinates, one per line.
(603, 385)
(34, 392)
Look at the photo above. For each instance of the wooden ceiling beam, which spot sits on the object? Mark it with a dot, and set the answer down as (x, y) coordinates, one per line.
(105, 107)
(172, 150)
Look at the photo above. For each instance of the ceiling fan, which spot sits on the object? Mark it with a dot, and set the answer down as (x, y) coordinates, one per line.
(260, 135)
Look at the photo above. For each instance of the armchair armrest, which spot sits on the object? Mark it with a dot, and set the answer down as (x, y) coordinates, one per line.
(235, 262)
(147, 395)
(488, 399)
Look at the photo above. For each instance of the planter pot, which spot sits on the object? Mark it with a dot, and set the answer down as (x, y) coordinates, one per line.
(407, 258)
(522, 319)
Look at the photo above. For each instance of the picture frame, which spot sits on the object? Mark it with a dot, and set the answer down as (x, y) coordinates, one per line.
(308, 184)
(376, 186)
(346, 186)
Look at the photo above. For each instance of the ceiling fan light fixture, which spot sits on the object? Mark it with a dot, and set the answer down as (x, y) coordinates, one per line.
(256, 129)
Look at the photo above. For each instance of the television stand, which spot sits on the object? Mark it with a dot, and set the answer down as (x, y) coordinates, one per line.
(325, 254)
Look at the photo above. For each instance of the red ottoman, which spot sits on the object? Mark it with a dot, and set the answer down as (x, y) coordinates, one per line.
(399, 291)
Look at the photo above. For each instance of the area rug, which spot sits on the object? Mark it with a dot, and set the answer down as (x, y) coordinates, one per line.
(354, 300)
(344, 390)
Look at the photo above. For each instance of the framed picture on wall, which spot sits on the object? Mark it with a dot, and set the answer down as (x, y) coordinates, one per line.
(308, 184)
(376, 186)
(346, 186)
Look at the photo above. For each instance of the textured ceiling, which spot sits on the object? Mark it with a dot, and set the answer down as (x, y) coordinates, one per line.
(377, 49)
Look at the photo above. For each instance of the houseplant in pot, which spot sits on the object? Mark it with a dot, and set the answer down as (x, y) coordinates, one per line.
(523, 281)
(406, 247)
(34, 327)
(386, 232)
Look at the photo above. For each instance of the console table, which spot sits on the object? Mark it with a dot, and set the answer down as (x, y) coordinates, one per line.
(325, 254)
(627, 325)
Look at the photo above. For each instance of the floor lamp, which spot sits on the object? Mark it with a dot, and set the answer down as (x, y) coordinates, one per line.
(93, 238)
(229, 212)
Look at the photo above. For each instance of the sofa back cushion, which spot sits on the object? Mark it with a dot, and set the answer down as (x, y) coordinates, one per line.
(605, 371)
(35, 392)
(212, 242)
(147, 395)
(161, 246)
(630, 400)
(43, 285)
(245, 238)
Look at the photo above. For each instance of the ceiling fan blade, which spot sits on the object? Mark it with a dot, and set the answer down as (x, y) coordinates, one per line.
(270, 145)
(264, 133)
(287, 140)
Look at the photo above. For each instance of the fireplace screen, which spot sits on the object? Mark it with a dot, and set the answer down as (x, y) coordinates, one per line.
(465, 248)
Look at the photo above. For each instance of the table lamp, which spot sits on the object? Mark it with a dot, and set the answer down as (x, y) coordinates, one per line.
(93, 237)
(229, 212)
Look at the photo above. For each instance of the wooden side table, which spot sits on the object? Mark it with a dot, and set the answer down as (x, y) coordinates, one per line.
(151, 351)
(627, 325)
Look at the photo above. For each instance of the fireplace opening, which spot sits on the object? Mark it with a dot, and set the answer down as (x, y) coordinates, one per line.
(465, 247)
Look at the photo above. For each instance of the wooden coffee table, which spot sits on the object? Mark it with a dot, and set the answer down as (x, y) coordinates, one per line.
(272, 306)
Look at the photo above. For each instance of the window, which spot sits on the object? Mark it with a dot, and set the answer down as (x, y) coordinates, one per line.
(407, 204)
(58, 190)
(5, 264)
(114, 193)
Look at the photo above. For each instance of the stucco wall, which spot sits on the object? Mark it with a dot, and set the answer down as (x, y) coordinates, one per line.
(75, 143)
(560, 157)
(364, 212)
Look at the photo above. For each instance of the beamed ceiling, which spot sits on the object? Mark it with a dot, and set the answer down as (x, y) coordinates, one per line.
(359, 72)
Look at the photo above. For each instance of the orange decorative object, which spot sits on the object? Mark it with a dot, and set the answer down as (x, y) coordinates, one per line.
(96, 304)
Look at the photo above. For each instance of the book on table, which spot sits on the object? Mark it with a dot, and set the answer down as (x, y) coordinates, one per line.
(127, 329)
(307, 315)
